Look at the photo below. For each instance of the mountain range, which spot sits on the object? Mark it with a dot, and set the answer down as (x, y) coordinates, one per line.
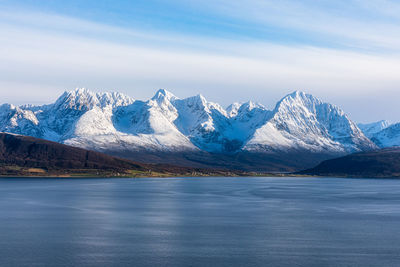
(299, 132)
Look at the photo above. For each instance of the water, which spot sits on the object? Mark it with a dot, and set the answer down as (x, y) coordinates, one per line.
(200, 222)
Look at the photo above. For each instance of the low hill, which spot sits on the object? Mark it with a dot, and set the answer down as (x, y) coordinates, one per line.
(379, 163)
(26, 156)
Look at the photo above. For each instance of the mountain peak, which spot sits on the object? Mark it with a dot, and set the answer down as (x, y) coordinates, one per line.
(302, 120)
(80, 99)
(232, 109)
(197, 100)
(300, 95)
(382, 123)
(201, 98)
(250, 105)
(164, 94)
(236, 108)
(80, 91)
(388, 137)
(370, 129)
(298, 99)
(114, 99)
(84, 99)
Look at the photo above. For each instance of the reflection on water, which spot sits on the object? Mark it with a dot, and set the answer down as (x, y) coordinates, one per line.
(199, 222)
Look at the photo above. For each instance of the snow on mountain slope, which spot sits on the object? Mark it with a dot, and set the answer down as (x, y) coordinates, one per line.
(122, 124)
(113, 121)
(56, 121)
(248, 117)
(62, 116)
(83, 99)
(17, 120)
(203, 123)
(303, 122)
(369, 129)
(232, 109)
(388, 137)
(149, 125)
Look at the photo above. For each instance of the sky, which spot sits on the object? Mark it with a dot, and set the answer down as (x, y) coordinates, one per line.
(345, 52)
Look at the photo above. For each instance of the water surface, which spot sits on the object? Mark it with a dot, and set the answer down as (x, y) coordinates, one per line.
(200, 222)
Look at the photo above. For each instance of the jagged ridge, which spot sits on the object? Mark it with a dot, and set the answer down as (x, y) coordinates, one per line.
(104, 121)
(115, 123)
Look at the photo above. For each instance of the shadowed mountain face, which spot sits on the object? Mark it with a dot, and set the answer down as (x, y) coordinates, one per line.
(380, 163)
(25, 151)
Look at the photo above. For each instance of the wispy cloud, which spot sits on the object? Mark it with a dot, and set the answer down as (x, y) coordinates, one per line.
(43, 54)
(368, 24)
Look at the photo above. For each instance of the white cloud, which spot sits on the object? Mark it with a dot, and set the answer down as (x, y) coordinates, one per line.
(40, 53)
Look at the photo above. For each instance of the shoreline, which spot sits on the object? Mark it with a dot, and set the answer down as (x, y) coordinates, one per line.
(200, 176)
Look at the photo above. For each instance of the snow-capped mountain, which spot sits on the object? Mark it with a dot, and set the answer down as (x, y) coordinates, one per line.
(18, 120)
(382, 133)
(369, 129)
(201, 121)
(303, 122)
(113, 121)
(388, 137)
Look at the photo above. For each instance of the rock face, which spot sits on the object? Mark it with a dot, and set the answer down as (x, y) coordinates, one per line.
(118, 124)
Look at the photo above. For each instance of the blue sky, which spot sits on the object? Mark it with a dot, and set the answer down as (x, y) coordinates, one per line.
(345, 52)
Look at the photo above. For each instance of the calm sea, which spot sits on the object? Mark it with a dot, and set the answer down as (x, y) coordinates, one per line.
(200, 222)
